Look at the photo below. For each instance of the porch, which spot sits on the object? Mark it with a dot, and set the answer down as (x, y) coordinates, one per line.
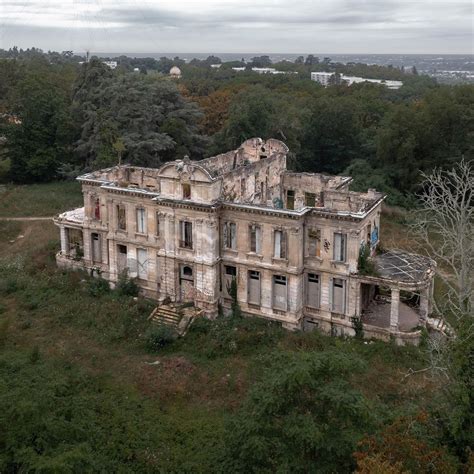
(397, 297)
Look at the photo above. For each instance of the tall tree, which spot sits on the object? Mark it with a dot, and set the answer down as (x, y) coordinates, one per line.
(154, 121)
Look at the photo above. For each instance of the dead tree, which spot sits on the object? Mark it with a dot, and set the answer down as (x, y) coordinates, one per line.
(444, 225)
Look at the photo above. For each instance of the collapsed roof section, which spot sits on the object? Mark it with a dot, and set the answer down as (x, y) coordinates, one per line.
(254, 174)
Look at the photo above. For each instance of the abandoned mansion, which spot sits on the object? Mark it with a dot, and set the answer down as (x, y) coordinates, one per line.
(298, 245)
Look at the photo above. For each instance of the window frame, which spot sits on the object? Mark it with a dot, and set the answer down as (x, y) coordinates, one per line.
(255, 237)
(283, 244)
(186, 230)
(141, 229)
(340, 254)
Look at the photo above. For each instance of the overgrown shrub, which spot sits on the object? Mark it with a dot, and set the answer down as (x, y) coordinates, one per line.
(127, 286)
(365, 265)
(8, 285)
(157, 337)
(98, 286)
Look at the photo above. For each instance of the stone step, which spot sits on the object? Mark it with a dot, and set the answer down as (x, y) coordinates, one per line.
(171, 322)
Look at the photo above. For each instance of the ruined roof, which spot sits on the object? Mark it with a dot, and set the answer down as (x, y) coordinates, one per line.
(76, 216)
(404, 267)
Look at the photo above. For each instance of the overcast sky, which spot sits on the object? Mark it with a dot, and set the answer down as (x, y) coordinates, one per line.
(266, 26)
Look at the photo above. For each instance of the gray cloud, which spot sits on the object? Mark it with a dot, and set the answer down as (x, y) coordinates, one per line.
(263, 25)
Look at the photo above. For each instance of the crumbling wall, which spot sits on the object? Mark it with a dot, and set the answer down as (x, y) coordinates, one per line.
(257, 183)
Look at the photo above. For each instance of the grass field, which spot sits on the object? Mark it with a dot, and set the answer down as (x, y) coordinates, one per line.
(38, 200)
(156, 412)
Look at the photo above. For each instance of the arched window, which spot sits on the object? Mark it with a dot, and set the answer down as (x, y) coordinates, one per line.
(187, 271)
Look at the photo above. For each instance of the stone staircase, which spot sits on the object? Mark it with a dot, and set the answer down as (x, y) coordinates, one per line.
(440, 325)
(175, 316)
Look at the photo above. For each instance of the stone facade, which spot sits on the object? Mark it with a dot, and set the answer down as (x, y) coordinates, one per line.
(185, 230)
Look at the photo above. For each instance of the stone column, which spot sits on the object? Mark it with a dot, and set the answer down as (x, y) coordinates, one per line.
(424, 304)
(63, 237)
(394, 309)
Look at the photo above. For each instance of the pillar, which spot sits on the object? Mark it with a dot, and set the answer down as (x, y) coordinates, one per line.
(394, 309)
(424, 304)
(63, 238)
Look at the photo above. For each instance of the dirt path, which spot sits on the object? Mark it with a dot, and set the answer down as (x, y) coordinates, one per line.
(26, 218)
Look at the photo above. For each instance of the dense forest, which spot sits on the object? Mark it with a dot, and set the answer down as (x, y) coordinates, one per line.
(61, 116)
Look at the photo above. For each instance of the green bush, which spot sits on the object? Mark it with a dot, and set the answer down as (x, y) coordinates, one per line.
(8, 285)
(98, 287)
(157, 337)
(127, 286)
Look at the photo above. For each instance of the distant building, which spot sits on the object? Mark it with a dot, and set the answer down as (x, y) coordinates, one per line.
(264, 70)
(326, 78)
(111, 64)
(216, 66)
(323, 78)
(349, 80)
(175, 72)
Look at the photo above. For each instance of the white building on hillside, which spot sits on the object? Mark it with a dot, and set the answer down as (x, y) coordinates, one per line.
(326, 78)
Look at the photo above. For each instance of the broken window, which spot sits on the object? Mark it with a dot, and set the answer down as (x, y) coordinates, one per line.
(186, 191)
(142, 264)
(242, 187)
(290, 199)
(310, 199)
(96, 247)
(254, 287)
(75, 246)
(230, 274)
(280, 244)
(230, 235)
(314, 242)
(121, 257)
(141, 221)
(339, 247)
(255, 240)
(121, 217)
(96, 204)
(338, 296)
(186, 234)
(369, 233)
(279, 292)
(313, 290)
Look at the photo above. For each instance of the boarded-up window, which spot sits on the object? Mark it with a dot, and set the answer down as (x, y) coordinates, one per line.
(339, 247)
(186, 191)
(280, 244)
(96, 204)
(230, 235)
(290, 199)
(186, 234)
(314, 242)
(230, 274)
(255, 238)
(96, 247)
(338, 296)
(121, 217)
(310, 199)
(141, 221)
(142, 263)
(254, 287)
(313, 290)
(121, 257)
(280, 294)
